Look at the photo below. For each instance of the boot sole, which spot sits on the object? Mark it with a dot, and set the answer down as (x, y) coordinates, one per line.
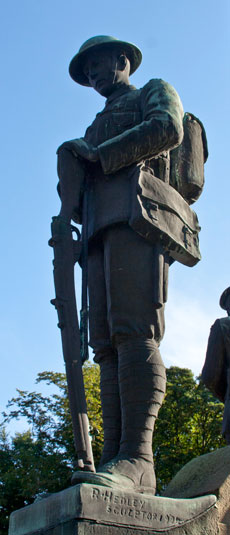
(108, 480)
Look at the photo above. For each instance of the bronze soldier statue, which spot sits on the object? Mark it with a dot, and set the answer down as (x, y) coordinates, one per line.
(133, 236)
(216, 370)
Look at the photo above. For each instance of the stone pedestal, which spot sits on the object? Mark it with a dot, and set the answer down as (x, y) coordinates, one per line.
(92, 510)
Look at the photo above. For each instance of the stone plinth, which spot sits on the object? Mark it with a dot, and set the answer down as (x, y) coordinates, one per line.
(92, 510)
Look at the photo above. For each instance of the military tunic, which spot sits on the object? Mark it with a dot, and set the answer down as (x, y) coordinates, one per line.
(127, 275)
(135, 125)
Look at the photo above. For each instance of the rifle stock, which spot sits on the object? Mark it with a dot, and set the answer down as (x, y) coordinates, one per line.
(66, 253)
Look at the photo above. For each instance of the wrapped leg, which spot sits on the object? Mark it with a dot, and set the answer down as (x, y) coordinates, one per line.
(142, 382)
(110, 402)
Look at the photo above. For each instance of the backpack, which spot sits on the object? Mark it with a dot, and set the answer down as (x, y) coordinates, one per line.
(183, 167)
(188, 159)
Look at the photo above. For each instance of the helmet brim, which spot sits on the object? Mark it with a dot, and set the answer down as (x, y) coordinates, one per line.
(76, 67)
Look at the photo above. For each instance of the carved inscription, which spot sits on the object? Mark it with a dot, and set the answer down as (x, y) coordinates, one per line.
(127, 508)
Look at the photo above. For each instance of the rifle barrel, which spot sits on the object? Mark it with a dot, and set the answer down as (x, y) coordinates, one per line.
(65, 302)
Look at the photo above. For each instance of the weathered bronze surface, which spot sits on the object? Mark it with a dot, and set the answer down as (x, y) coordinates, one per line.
(137, 225)
(216, 370)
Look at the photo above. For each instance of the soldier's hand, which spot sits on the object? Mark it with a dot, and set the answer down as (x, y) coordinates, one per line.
(81, 148)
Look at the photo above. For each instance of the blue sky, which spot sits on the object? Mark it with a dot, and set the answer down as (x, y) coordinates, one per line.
(185, 43)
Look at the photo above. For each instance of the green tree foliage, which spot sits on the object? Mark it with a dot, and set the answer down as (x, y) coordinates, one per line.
(42, 459)
(26, 469)
(189, 424)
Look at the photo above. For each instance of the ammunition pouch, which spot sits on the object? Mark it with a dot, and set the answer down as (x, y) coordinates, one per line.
(159, 213)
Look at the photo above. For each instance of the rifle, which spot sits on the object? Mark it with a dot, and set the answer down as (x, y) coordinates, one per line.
(66, 253)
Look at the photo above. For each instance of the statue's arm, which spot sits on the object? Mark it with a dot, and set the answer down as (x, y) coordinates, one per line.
(161, 129)
(214, 370)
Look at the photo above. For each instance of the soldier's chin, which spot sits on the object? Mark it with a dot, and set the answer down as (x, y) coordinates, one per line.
(104, 91)
(106, 87)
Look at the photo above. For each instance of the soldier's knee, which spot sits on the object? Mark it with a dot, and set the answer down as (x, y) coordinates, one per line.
(139, 349)
(105, 354)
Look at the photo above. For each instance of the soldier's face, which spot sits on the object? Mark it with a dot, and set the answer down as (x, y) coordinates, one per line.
(103, 72)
